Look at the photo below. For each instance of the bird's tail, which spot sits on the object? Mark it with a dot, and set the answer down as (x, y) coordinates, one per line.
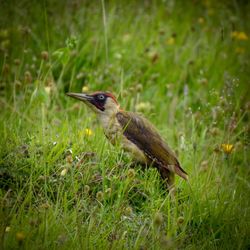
(181, 172)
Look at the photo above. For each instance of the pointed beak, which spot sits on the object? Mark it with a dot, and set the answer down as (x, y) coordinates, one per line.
(81, 96)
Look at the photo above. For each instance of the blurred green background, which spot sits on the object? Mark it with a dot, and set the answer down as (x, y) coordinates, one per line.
(182, 64)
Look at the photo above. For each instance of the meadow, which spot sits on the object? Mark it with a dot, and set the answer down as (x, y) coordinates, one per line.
(184, 65)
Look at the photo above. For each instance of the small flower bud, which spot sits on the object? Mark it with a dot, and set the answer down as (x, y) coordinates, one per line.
(17, 61)
(45, 55)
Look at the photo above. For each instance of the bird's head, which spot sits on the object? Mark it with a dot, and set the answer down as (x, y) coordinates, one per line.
(99, 102)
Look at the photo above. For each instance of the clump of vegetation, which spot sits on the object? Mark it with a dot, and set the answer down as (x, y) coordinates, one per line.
(184, 65)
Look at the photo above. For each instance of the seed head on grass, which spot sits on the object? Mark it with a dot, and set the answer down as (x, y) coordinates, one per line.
(128, 211)
(69, 159)
(6, 69)
(214, 131)
(17, 62)
(158, 219)
(139, 87)
(27, 77)
(99, 195)
(18, 84)
(180, 220)
(86, 189)
(131, 173)
(45, 55)
(204, 165)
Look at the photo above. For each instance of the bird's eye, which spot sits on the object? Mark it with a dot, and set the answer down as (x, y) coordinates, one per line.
(101, 97)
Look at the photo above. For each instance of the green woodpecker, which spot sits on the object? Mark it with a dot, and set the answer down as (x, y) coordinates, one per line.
(136, 135)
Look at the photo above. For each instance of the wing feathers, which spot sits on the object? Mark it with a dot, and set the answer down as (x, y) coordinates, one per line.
(139, 131)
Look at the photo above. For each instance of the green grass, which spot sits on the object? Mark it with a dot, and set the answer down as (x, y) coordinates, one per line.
(177, 62)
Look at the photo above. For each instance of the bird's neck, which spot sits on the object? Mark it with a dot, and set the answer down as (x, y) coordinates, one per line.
(108, 118)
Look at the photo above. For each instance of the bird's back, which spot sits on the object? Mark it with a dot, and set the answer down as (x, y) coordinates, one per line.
(144, 135)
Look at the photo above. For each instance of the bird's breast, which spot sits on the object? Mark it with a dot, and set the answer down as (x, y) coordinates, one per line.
(114, 132)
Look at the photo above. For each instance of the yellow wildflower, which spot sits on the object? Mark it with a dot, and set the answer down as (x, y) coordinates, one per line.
(85, 88)
(88, 132)
(242, 36)
(239, 35)
(170, 41)
(227, 148)
(20, 236)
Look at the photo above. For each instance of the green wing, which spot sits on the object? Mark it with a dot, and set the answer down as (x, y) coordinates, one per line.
(139, 131)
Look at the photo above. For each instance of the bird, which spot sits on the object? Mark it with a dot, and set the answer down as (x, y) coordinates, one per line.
(136, 135)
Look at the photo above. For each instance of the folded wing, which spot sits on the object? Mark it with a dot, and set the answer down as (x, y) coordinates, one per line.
(139, 131)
